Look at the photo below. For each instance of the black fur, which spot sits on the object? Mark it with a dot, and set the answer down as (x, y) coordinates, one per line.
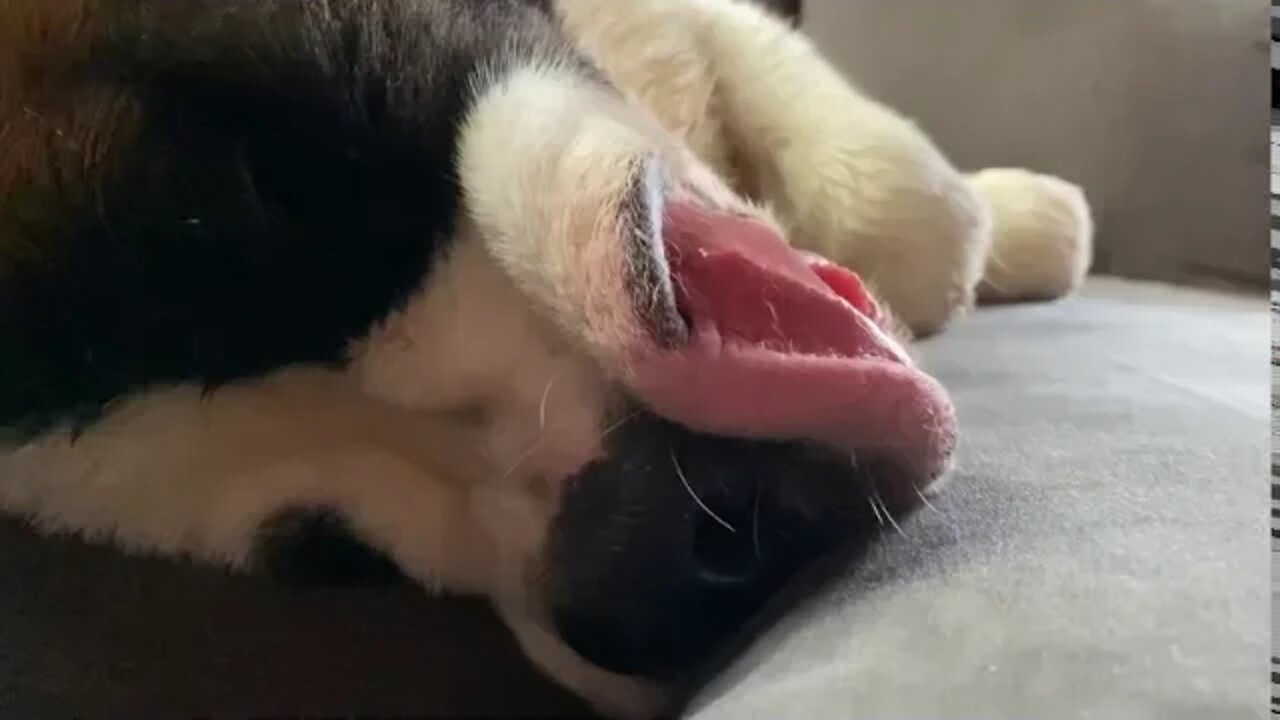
(316, 547)
(278, 177)
(645, 581)
(231, 186)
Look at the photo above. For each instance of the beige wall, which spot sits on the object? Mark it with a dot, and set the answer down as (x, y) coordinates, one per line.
(1158, 107)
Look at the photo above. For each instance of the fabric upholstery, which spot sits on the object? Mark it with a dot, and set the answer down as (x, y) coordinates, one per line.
(1100, 552)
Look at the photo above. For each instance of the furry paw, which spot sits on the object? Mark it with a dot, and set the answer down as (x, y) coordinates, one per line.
(885, 202)
(1043, 236)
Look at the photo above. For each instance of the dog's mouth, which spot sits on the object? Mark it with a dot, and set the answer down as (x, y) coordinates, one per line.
(784, 345)
(776, 411)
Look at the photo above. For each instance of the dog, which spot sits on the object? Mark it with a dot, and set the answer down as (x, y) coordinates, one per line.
(598, 309)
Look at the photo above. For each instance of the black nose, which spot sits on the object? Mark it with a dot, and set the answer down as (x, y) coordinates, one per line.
(673, 540)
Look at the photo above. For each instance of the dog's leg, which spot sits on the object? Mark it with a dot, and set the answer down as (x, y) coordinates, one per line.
(856, 181)
(1043, 236)
(177, 472)
(220, 478)
(582, 190)
(169, 468)
(851, 178)
(585, 190)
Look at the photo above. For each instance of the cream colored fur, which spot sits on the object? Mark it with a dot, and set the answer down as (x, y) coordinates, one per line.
(1043, 235)
(447, 438)
(847, 176)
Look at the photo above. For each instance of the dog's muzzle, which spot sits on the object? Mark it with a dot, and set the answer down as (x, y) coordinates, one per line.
(777, 409)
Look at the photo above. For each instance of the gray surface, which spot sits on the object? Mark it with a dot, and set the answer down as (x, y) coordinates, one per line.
(1101, 552)
(1100, 555)
(1156, 107)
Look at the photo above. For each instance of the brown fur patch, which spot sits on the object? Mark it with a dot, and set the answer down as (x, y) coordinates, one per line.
(54, 133)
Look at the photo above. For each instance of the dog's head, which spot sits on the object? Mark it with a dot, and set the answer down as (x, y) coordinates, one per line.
(656, 409)
(676, 409)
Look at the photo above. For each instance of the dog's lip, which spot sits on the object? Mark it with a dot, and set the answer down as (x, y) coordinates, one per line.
(787, 345)
(865, 407)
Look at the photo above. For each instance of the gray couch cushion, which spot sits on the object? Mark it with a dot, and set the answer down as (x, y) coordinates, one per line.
(1100, 553)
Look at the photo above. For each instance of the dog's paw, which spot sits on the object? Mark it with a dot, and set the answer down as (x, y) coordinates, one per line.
(868, 189)
(1042, 229)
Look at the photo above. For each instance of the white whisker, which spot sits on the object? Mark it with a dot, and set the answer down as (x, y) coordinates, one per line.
(925, 499)
(524, 456)
(619, 423)
(888, 514)
(533, 446)
(875, 509)
(685, 481)
(946, 519)
(542, 404)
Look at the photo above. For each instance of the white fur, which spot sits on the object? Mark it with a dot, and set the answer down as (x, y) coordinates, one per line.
(548, 211)
(1043, 235)
(445, 444)
(171, 471)
(847, 176)
(552, 209)
(446, 440)
(657, 56)
(440, 407)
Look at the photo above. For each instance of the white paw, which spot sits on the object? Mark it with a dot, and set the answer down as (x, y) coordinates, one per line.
(887, 204)
(1043, 236)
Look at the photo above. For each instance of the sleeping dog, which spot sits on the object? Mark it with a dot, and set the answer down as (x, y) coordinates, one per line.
(595, 308)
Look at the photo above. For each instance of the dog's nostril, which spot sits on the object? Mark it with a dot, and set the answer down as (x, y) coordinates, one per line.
(726, 554)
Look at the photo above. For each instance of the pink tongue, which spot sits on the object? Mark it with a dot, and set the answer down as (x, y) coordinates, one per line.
(785, 345)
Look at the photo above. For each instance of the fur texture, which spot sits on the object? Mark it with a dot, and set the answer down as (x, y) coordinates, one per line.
(848, 177)
(391, 263)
